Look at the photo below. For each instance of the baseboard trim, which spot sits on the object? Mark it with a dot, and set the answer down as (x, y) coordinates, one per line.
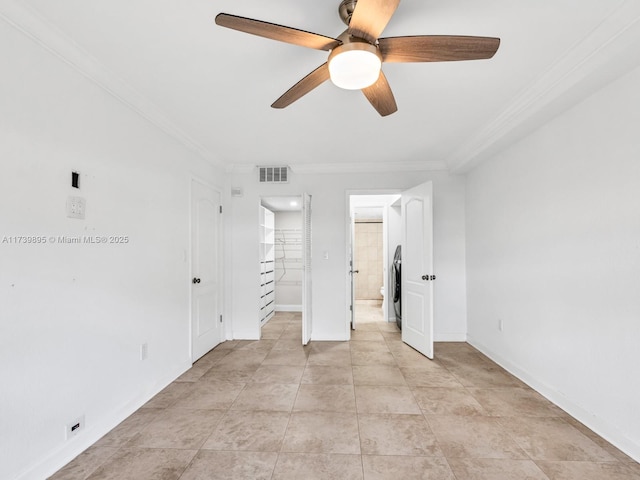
(607, 431)
(288, 308)
(62, 455)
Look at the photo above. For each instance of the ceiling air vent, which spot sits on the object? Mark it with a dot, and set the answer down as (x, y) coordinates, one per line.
(274, 174)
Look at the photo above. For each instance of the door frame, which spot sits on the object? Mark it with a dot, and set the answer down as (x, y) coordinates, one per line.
(188, 256)
(306, 301)
(349, 252)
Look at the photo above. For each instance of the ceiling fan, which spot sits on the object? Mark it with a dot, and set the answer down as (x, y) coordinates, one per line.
(356, 56)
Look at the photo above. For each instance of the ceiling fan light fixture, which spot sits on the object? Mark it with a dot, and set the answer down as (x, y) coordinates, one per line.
(355, 65)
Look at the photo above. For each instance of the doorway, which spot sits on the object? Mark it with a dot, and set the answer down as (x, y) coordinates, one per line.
(415, 229)
(291, 265)
(375, 229)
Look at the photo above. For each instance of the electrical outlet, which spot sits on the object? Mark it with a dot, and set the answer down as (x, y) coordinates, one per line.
(73, 428)
(76, 207)
(144, 351)
(500, 325)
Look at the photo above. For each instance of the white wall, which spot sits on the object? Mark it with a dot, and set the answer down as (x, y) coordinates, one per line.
(73, 317)
(553, 250)
(329, 225)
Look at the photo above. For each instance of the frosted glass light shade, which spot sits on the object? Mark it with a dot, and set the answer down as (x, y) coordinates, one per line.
(354, 66)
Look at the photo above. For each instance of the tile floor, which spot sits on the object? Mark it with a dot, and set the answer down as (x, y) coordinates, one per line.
(371, 408)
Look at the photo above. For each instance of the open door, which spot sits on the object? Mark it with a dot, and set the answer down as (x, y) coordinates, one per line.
(306, 269)
(206, 283)
(352, 272)
(417, 268)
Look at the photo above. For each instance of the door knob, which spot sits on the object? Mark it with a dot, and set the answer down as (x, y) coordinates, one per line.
(196, 280)
(354, 271)
(425, 277)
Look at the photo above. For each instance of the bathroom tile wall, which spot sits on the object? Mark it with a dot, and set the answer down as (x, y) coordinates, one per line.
(368, 260)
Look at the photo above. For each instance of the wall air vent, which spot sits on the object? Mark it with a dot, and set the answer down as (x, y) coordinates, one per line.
(274, 174)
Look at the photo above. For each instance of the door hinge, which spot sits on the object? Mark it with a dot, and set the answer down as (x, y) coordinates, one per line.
(220, 318)
(220, 208)
(351, 308)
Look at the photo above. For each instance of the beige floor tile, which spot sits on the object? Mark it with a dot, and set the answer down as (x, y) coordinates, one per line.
(286, 357)
(317, 466)
(366, 335)
(433, 376)
(329, 357)
(213, 356)
(361, 347)
(447, 401)
(483, 375)
(275, 409)
(473, 437)
(375, 399)
(240, 359)
(127, 429)
(258, 346)
(227, 345)
(286, 374)
(210, 395)
(169, 395)
(389, 327)
(587, 471)
(553, 439)
(386, 434)
(378, 375)
(285, 343)
(177, 428)
(328, 375)
(410, 358)
(325, 398)
(372, 358)
(254, 431)
(213, 465)
(316, 347)
(271, 334)
(326, 432)
(85, 464)
(601, 442)
(137, 463)
(406, 468)
(495, 469)
(227, 374)
(267, 397)
(513, 402)
(195, 372)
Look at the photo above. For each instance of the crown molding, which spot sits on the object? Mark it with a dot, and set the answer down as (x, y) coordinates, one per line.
(365, 167)
(606, 53)
(30, 23)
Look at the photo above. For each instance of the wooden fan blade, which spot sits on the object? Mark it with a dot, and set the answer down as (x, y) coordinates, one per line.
(437, 48)
(304, 86)
(277, 32)
(381, 97)
(370, 17)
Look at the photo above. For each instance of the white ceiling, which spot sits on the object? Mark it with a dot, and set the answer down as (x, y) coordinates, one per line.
(212, 87)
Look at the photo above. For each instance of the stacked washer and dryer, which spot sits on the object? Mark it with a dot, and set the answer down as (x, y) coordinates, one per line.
(396, 278)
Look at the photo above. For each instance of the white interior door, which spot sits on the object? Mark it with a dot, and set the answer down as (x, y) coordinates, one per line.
(306, 269)
(352, 273)
(417, 268)
(206, 291)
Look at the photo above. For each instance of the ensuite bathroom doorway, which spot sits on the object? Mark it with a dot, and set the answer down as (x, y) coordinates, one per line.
(375, 229)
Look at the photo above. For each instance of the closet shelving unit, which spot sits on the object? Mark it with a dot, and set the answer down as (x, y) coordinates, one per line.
(267, 265)
(288, 256)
